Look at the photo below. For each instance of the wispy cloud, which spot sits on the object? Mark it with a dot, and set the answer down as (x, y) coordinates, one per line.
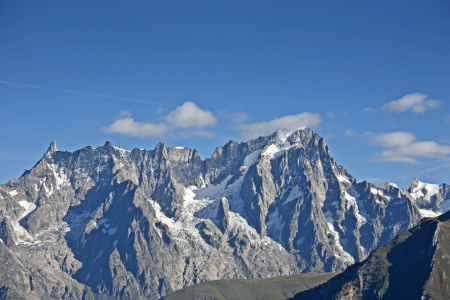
(331, 115)
(354, 133)
(236, 119)
(21, 85)
(369, 110)
(302, 120)
(128, 126)
(434, 169)
(417, 103)
(123, 114)
(402, 147)
(186, 116)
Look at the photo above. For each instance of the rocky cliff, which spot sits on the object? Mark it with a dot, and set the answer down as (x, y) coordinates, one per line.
(143, 223)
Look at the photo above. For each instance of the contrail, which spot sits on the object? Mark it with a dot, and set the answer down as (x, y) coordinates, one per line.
(20, 85)
(435, 169)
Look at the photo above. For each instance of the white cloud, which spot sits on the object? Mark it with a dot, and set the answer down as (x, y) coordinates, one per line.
(351, 132)
(393, 139)
(402, 147)
(190, 115)
(128, 126)
(186, 116)
(331, 135)
(287, 123)
(416, 103)
(369, 110)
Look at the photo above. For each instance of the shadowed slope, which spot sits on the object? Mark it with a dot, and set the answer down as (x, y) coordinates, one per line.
(412, 266)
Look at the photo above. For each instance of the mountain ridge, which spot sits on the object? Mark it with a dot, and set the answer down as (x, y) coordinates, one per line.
(144, 223)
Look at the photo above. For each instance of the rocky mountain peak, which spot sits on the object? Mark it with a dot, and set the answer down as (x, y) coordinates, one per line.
(52, 147)
(108, 144)
(414, 184)
(151, 222)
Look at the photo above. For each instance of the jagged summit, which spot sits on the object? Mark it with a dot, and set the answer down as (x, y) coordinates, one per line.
(52, 147)
(143, 223)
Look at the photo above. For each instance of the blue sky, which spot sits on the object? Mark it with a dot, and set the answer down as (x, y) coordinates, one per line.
(372, 78)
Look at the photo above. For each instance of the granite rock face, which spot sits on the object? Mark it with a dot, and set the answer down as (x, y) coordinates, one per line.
(141, 224)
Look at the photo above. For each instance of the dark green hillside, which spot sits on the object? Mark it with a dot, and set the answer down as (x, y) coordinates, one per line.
(282, 287)
(412, 266)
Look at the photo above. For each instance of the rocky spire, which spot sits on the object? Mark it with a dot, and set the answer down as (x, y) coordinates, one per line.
(222, 214)
(52, 147)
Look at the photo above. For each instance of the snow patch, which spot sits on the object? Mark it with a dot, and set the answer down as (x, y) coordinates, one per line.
(13, 193)
(427, 213)
(352, 197)
(342, 254)
(419, 190)
(281, 145)
(121, 149)
(295, 193)
(61, 176)
(342, 178)
(202, 204)
(28, 206)
(251, 158)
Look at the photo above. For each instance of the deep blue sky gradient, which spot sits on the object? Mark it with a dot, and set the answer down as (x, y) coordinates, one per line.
(263, 58)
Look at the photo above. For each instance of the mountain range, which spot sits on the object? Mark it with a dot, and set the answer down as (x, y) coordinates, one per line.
(105, 222)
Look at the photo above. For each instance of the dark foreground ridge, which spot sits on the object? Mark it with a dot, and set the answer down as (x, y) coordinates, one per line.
(282, 287)
(413, 266)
